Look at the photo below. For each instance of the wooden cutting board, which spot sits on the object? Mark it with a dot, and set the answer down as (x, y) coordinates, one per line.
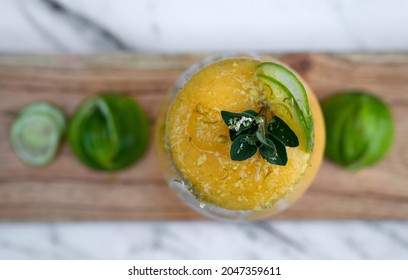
(66, 190)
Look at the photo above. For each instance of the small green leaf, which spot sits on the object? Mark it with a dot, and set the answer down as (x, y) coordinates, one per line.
(242, 148)
(251, 113)
(260, 135)
(276, 156)
(252, 139)
(278, 129)
(247, 135)
(234, 134)
(238, 121)
(268, 151)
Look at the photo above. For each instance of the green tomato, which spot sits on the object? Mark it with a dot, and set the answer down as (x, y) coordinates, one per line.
(109, 132)
(359, 129)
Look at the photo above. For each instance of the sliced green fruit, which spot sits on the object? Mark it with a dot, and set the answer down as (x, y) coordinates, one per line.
(285, 107)
(109, 132)
(35, 138)
(288, 100)
(36, 133)
(360, 129)
(48, 109)
(335, 135)
(290, 81)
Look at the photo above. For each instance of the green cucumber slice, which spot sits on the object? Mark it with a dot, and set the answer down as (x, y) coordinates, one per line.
(35, 138)
(281, 77)
(284, 106)
(291, 82)
(49, 109)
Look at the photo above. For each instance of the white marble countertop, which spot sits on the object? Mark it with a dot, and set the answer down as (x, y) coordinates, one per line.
(161, 26)
(205, 240)
(212, 25)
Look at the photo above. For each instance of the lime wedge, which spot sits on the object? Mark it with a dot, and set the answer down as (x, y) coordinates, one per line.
(109, 132)
(288, 99)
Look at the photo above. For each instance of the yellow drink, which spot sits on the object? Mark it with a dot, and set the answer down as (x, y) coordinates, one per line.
(198, 145)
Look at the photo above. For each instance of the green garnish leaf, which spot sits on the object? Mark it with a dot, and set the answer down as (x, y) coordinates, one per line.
(282, 132)
(268, 151)
(260, 135)
(275, 156)
(271, 138)
(239, 121)
(234, 134)
(242, 148)
(251, 112)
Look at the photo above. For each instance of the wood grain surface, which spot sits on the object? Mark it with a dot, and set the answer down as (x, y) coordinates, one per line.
(66, 190)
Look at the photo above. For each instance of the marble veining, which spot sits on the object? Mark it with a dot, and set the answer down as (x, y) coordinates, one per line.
(162, 26)
(40, 13)
(205, 240)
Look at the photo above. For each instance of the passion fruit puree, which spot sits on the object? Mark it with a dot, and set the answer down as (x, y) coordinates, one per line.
(200, 145)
